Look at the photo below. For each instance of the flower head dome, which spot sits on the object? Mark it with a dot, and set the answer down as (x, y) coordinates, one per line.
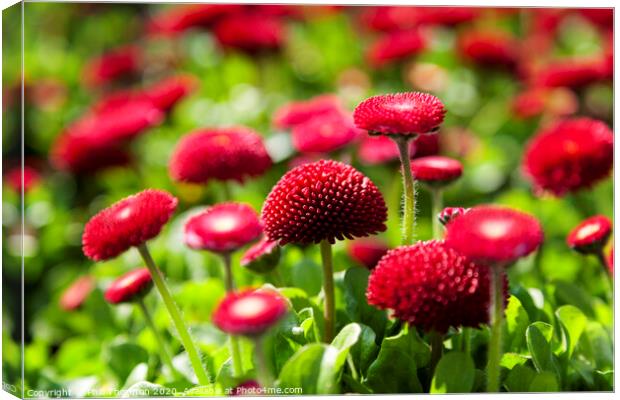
(569, 155)
(250, 32)
(436, 170)
(85, 154)
(395, 46)
(573, 73)
(221, 154)
(261, 257)
(129, 287)
(431, 286)
(591, 235)
(167, 92)
(117, 63)
(494, 235)
(129, 222)
(249, 312)
(76, 294)
(488, 48)
(448, 214)
(323, 134)
(403, 114)
(298, 112)
(367, 251)
(325, 200)
(223, 228)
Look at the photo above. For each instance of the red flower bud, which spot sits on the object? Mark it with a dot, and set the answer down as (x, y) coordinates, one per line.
(591, 235)
(249, 312)
(129, 287)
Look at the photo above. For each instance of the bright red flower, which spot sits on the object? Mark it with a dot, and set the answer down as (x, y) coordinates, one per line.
(13, 178)
(591, 235)
(84, 154)
(448, 16)
(375, 150)
(249, 312)
(325, 200)
(250, 32)
(494, 235)
(569, 155)
(323, 134)
(127, 223)
(223, 228)
(117, 63)
(530, 103)
(403, 114)
(573, 73)
(167, 92)
(391, 18)
(179, 18)
(298, 112)
(431, 286)
(76, 294)
(394, 47)
(436, 170)
(602, 17)
(129, 287)
(367, 252)
(488, 48)
(261, 257)
(219, 153)
(448, 214)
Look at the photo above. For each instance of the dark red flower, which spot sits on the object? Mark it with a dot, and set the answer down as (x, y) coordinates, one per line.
(436, 170)
(448, 16)
(448, 214)
(128, 222)
(250, 32)
(394, 47)
(261, 257)
(375, 150)
(117, 63)
(76, 294)
(488, 48)
(220, 153)
(530, 103)
(573, 73)
(323, 134)
(431, 286)
(249, 312)
(425, 145)
(13, 178)
(602, 17)
(223, 228)
(179, 18)
(367, 252)
(390, 18)
(129, 287)
(494, 235)
(167, 92)
(591, 235)
(84, 154)
(325, 200)
(404, 114)
(298, 112)
(569, 155)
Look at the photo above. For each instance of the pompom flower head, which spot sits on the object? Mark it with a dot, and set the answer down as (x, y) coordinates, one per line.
(76, 294)
(325, 200)
(436, 170)
(406, 114)
(261, 257)
(223, 228)
(494, 235)
(129, 287)
(431, 286)
(569, 155)
(221, 154)
(591, 235)
(367, 252)
(249, 312)
(127, 223)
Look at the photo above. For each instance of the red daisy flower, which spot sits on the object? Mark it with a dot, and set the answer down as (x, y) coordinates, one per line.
(449, 16)
(179, 18)
(249, 312)
(573, 73)
(76, 294)
(494, 235)
(250, 32)
(569, 155)
(488, 48)
(129, 287)
(13, 178)
(436, 170)
(448, 214)
(127, 223)
(84, 154)
(223, 228)
(591, 235)
(221, 154)
(404, 114)
(325, 200)
(298, 112)
(431, 286)
(602, 17)
(394, 47)
(367, 252)
(261, 257)
(167, 92)
(323, 134)
(375, 150)
(390, 18)
(117, 63)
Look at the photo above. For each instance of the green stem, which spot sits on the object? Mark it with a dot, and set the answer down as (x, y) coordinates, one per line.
(263, 374)
(328, 289)
(437, 198)
(408, 189)
(466, 340)
(610, 280)
(226, 191)
(436, 341)
(235, 351)
(164, 352)
(175, 315)
(351, 365)
(497, 316)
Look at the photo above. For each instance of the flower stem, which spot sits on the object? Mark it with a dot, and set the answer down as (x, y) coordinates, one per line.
(263, 374)
(235, 351)
(610, 280)
(436, 341)
(409, 189)
(175, 315)
(466, 340)
(437, 198)
(163, 348)
(328, 289)
(495, 342)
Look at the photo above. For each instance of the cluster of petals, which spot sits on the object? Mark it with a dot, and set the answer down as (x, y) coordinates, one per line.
(249, 312)
(591, 235)
(115, 64)
(129, 287)
(395, 46)
(572, 73)
(251, 32)
(127, 223)
(569, 155)
(325, 200)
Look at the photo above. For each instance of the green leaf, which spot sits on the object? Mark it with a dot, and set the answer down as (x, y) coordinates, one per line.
(573, 323)
(568, 293)
(147, 389)
(347, 337)
(544, 382)
(307, 275)
(455, 373)
(539, 348)
(509, 360)
(519, 378)
(122, 356)
(357, 308)
(365, 350)
(596, 345)
(517, 322)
